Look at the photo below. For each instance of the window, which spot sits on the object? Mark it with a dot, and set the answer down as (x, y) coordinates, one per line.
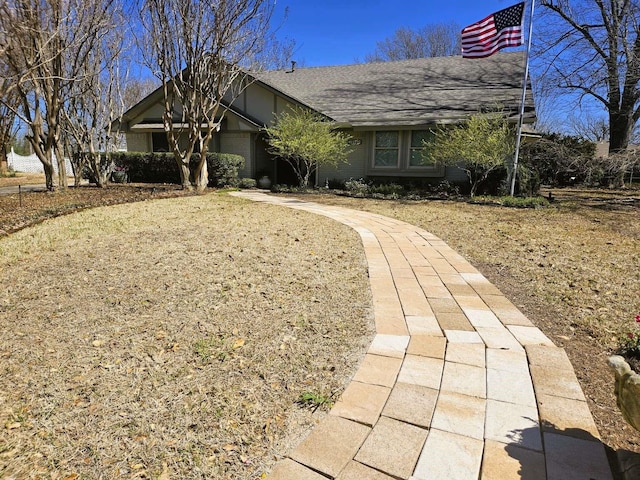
(387, 149)
(159, 142)
(402, 153)
(416, 149)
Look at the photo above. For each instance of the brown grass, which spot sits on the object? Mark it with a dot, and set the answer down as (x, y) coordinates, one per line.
(21, 178)
(172, 338)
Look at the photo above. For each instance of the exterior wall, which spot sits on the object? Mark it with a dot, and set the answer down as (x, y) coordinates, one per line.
(257, 102)
(282, 105)
(139, 142)
(456, 175)
(240, 143)
(355, 168)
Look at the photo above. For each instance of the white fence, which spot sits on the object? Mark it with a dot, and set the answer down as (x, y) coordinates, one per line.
(31, 163)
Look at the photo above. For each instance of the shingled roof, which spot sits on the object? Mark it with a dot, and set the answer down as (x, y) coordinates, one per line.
(408, 92)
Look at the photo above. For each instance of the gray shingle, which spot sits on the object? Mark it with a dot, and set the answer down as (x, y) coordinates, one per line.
(409, 92)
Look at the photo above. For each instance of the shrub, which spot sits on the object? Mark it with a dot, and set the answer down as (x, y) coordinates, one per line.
(223, 169)
(391, 189)
(247, 183)
(152, 167)
(514, 202)
(356, 187)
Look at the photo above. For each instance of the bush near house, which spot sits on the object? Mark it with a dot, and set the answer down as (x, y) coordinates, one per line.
(150, 167)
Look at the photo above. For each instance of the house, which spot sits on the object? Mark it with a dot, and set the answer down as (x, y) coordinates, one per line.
(388, 108)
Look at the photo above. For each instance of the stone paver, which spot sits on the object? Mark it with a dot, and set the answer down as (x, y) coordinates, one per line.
(566, 416)
(358, 471)
(448, 455)
(465, 379)
(513, 424)
(412, 404)
(424, 371)
(457, 383)
(467, 353)
(569, 458)
(506, 461)
(331, 445)
(389, 345)
(423, 325)
(461, 414)
(511, 387)
(427, 346)
(361, 402)
(393, 447)
(378, 370)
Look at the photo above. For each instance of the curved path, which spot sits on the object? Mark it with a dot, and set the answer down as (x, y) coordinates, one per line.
(457, 383)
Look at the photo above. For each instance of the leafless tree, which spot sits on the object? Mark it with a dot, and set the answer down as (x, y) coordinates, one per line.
(48, 45)
(435, 40)
(590, 127)
(95, 100)
(593, 48)
(9, 103)
(135, 89)
(199, 50)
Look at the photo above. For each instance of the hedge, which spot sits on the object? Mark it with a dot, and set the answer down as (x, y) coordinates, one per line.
(151, 167)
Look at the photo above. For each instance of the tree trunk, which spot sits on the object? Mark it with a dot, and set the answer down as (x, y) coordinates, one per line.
(48, 175)
(4, 163)
(185, 173)
(62, 168)
(202, 179)
(620, 126)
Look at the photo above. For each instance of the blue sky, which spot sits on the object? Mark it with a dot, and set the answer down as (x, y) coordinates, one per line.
(340, 32)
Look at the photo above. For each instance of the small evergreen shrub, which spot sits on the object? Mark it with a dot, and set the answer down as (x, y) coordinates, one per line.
(247, 183)
(356, 186)
(153, 167)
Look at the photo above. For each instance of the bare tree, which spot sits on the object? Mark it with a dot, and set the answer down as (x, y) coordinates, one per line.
(9, 103)
(435, 40)
(95, 100)
(198, 49)
(593, 48)
(48, 45)
(135, 89)
(590, 127)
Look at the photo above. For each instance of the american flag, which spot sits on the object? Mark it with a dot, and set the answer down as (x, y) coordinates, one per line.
(499, 30)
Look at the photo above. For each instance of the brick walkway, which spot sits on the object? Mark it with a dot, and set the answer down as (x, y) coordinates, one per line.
(457, 383)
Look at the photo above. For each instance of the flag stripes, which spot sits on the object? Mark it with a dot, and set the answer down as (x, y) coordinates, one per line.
(498, 30)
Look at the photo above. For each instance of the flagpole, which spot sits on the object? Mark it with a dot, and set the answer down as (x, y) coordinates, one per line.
(524, 94)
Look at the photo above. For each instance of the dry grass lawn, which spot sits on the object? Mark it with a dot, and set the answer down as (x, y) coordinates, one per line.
(22, 178)
(172, 338)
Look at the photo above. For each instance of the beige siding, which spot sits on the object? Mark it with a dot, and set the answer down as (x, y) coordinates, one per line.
(138, 142)
(356, 162)
(282, 105)
(456, 175)
(239, 143)
(259, 103)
